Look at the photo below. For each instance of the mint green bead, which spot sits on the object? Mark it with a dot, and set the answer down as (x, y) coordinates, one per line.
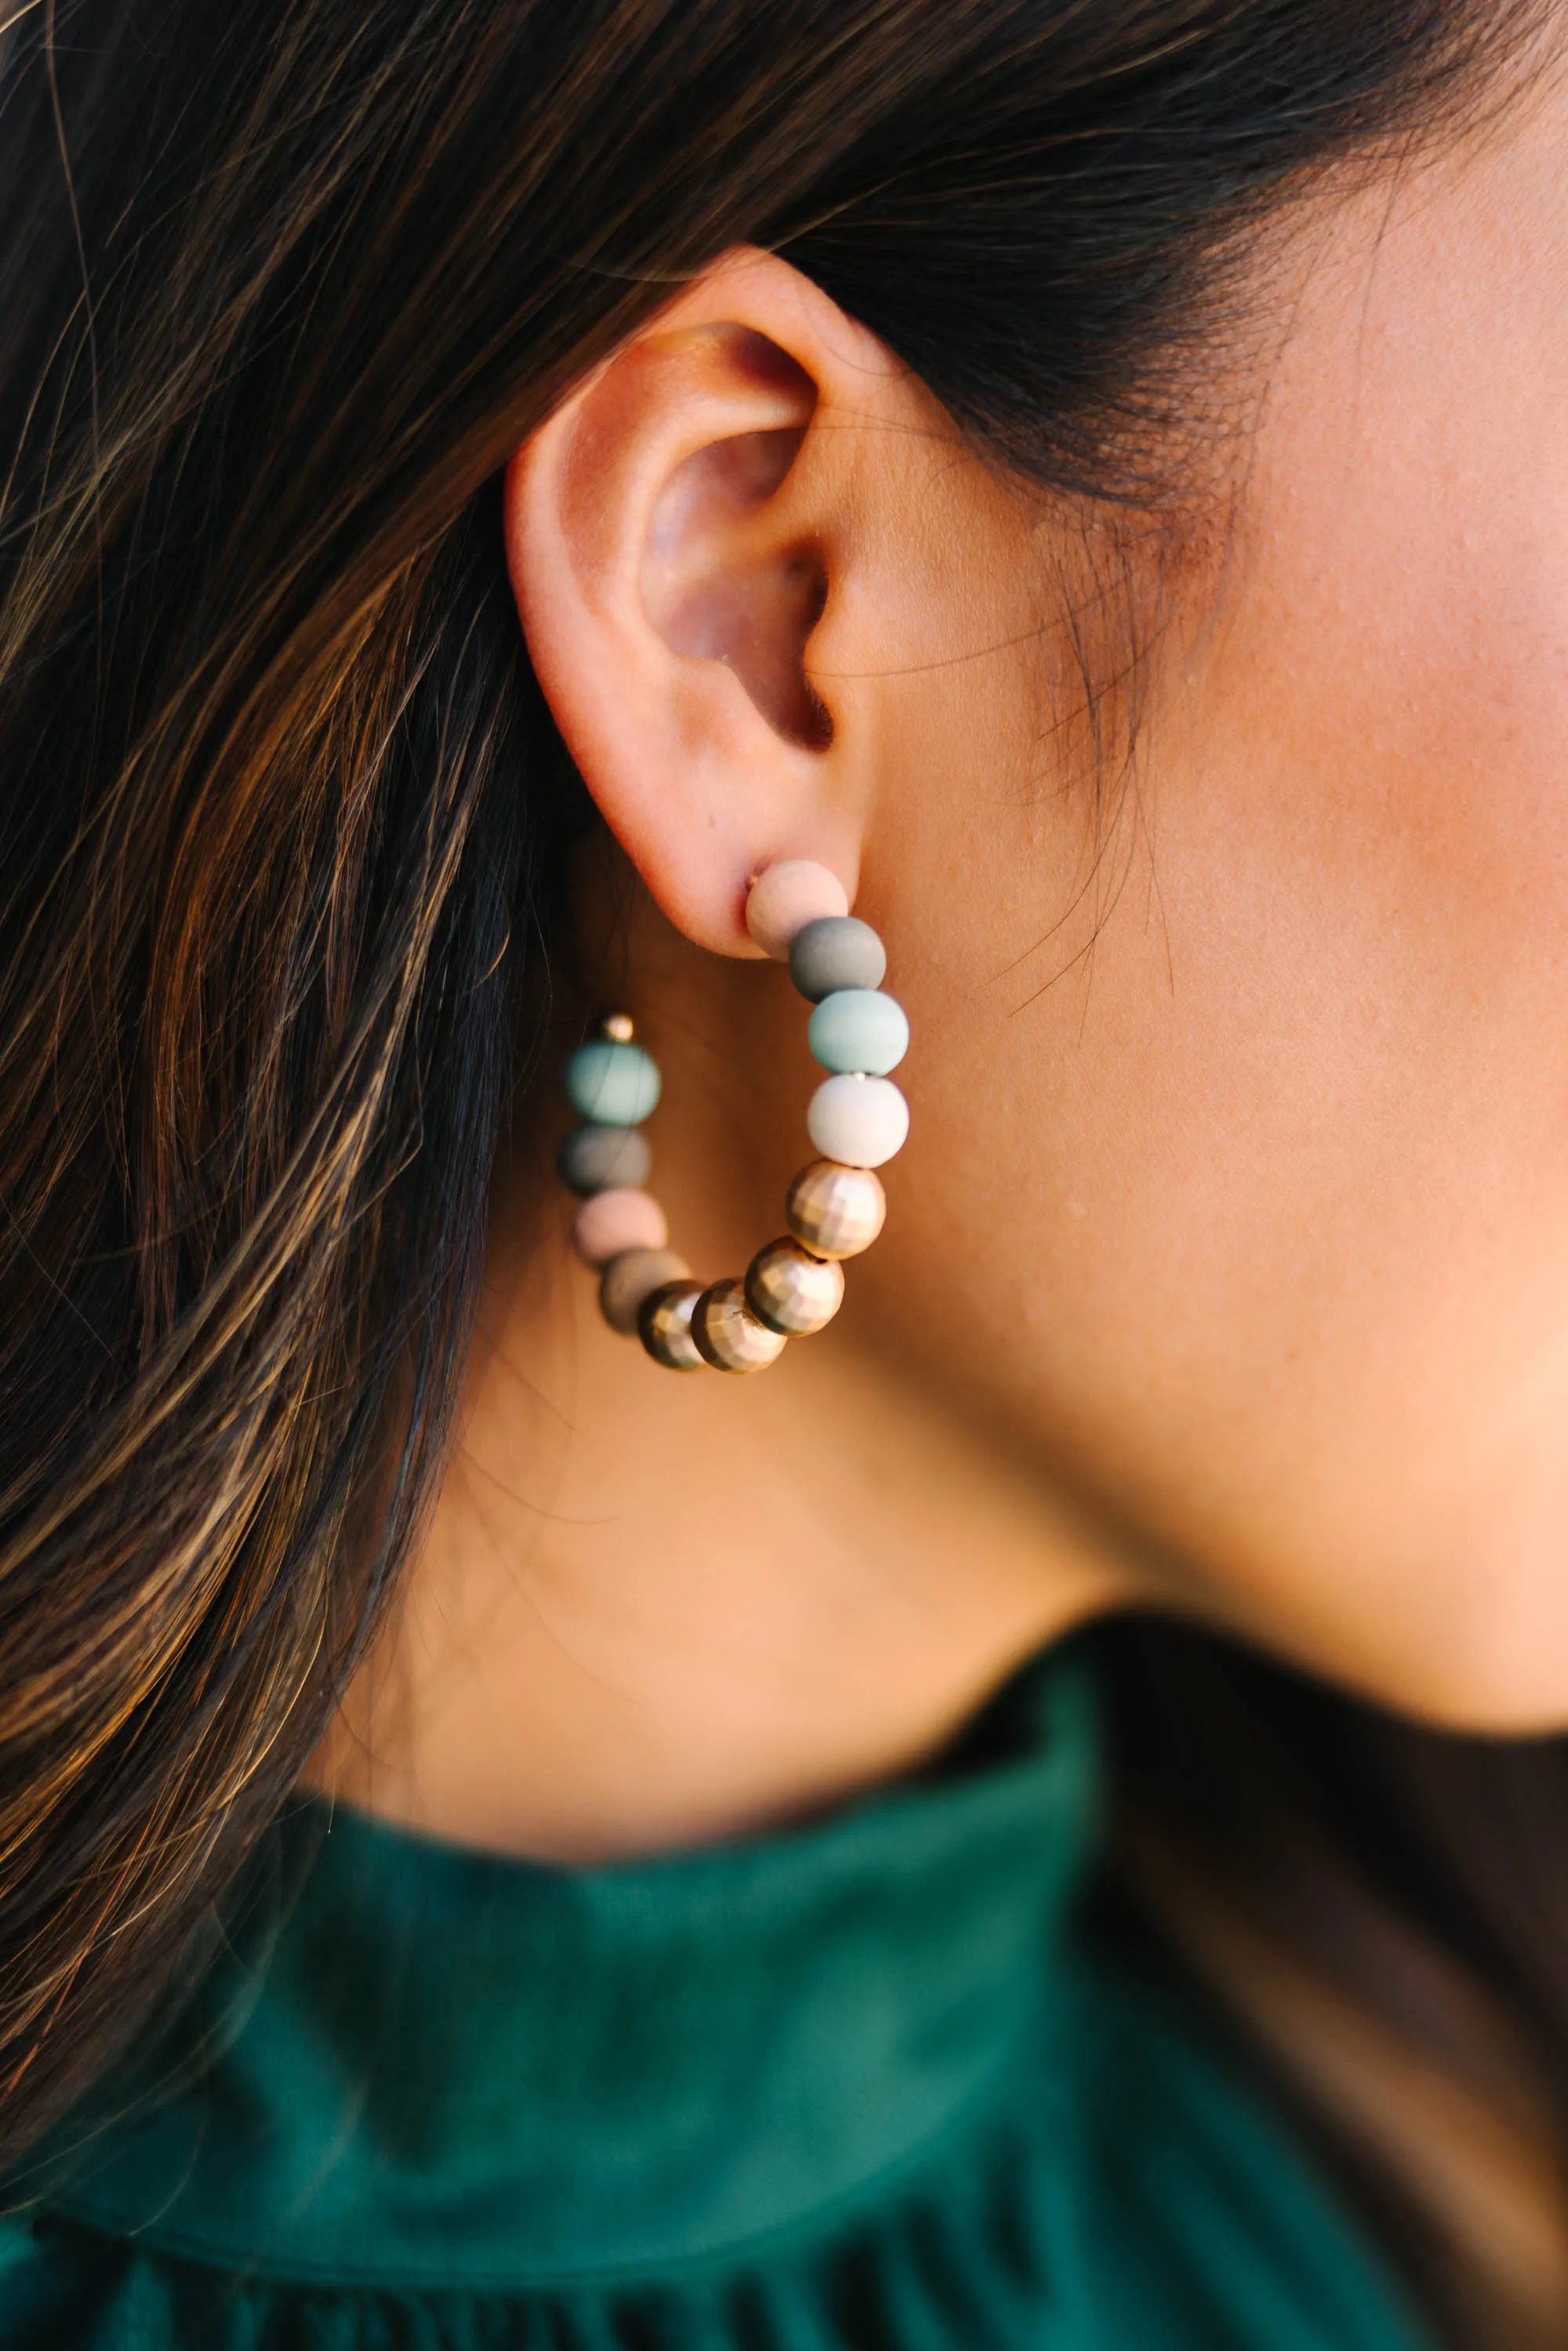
(859, 1031)
(612, 1084)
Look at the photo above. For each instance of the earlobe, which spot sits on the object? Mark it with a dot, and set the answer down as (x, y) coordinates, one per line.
(674, 533)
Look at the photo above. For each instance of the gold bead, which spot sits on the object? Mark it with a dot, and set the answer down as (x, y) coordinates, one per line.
(617, 1027)
(791, 1290)
(728, 1334)
(664, 1325)
(836, 1211)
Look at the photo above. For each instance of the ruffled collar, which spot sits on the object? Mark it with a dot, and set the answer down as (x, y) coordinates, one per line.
(423, 2063)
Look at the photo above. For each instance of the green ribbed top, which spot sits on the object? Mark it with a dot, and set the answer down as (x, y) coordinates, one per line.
(859, 2084)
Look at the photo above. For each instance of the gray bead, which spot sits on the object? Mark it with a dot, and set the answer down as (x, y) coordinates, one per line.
(632, 1276)
(836, 952)
(594, 1158)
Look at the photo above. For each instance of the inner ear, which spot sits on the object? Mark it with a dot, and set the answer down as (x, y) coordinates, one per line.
(722, 580)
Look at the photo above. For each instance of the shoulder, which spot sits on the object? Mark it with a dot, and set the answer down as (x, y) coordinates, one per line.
(1204, 2208)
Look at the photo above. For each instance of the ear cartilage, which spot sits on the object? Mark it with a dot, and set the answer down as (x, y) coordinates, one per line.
(797, 913)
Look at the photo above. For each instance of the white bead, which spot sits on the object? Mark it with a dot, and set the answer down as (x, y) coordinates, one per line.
(859, 1120)
(787, 896)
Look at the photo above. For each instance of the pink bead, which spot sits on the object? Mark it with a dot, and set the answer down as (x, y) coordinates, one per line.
(786, 898)
(609, 1222)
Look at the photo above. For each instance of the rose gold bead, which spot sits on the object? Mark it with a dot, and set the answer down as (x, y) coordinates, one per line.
(615, 1220)
(618, 1028)
(664, 1325)
(628, 1279)
(836, 1211)
(728, 1334)
(791, 1290)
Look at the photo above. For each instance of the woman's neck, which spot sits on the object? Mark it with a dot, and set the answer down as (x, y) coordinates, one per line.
(653, 1609)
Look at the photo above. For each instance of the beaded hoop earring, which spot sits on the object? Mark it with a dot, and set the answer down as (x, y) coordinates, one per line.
(797, 913)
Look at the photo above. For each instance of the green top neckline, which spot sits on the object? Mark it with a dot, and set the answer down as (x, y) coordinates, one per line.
(868, 2082)
(426, 2064)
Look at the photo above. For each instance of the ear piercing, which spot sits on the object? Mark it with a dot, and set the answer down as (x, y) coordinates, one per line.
(797, 913)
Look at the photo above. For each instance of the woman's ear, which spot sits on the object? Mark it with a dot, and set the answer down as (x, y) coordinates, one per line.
(685, 538)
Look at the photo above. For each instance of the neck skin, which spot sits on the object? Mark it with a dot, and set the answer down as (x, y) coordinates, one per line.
(653, 1609)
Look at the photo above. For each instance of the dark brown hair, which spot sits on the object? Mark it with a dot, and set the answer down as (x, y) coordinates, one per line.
(282, 821)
